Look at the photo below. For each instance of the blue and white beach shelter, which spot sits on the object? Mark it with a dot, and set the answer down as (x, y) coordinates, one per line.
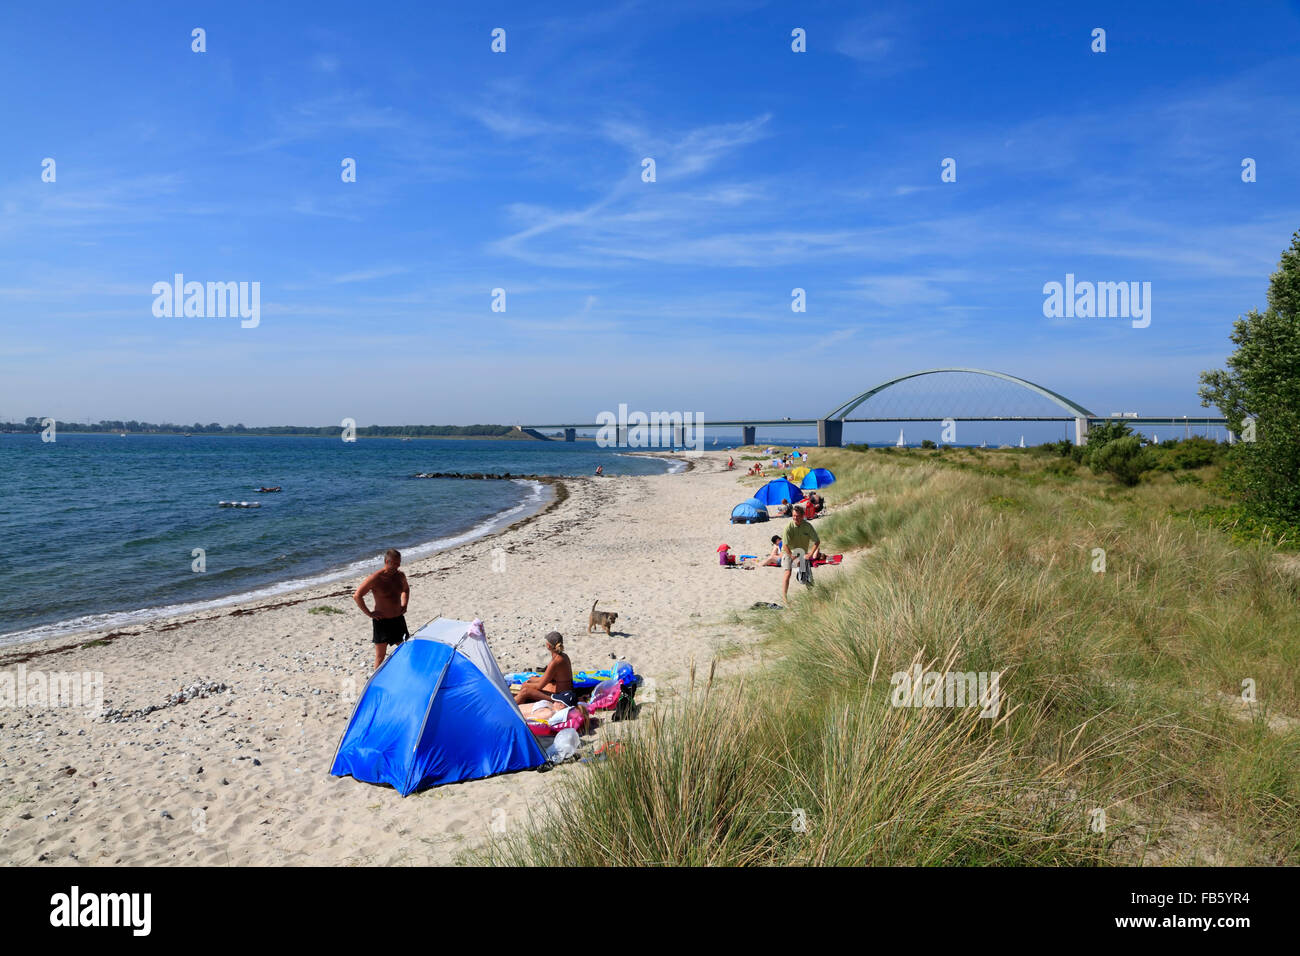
(747, 512)
(778, 488)
(431, 715)
(817, 478)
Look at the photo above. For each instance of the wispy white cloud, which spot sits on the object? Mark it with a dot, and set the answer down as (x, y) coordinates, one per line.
(879, 42)
(368, 275)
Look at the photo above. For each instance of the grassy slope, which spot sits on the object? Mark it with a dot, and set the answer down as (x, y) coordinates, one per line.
(1121, 689)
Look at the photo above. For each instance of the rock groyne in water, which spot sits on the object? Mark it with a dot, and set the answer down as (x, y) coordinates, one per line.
(507, 476)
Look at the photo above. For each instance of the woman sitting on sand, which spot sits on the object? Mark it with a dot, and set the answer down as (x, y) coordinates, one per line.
(556, 682)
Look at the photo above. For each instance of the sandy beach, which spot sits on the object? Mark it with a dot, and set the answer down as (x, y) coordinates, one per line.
(241, 777)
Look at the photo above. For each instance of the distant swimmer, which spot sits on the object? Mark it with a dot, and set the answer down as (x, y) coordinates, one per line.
(600, 471)
(392, 594)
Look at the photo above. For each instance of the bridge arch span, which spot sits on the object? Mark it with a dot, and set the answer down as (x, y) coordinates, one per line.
(841, 412)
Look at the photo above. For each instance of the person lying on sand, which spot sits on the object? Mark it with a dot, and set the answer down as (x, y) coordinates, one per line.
(392, 594)
(556, 681)
(544, 710)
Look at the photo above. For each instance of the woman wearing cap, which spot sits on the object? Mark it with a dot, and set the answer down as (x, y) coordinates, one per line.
(556, 682)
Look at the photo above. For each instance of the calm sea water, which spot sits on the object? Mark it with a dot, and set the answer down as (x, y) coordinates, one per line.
(100, 530)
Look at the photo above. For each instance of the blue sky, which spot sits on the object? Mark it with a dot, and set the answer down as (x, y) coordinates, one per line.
(522, 171)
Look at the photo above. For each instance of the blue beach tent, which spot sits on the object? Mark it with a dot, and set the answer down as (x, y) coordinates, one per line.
(748, 512)
(778, 488)
(430, 715)
(817, 478)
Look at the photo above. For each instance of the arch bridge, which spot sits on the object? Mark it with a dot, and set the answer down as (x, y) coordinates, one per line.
(830, 427)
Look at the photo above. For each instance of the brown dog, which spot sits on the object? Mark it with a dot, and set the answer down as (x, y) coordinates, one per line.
(603, 619)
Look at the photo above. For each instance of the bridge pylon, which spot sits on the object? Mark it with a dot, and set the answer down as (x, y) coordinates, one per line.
(1081, 431)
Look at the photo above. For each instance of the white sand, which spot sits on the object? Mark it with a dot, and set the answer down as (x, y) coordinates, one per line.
(643, 545)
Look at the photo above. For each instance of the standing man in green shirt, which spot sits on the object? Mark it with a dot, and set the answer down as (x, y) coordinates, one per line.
(801, 537)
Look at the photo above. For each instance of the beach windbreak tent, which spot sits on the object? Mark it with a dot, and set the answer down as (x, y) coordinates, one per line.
(817, 478)
(772, 492)
(749, 511)
(796, 474)
(431, 716)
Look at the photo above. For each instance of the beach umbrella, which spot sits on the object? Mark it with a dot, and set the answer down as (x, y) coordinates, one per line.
(796, 474)
(817, 478)
(772, 492)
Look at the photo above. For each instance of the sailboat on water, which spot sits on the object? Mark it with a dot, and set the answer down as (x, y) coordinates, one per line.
(984, 444)
(1022, 441)
(900, 443)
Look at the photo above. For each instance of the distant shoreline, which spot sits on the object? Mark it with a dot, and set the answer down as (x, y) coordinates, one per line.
(152, 434)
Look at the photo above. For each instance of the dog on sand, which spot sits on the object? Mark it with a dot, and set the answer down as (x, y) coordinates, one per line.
(603, 619)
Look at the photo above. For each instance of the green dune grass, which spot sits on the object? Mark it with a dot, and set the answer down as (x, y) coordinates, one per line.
(1121, 691)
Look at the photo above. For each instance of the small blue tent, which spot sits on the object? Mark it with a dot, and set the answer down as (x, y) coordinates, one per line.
(817, 478)
(778, 488)
(430, 716)
(747, 512)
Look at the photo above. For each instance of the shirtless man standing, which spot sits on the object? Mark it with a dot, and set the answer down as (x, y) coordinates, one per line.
(388, 619)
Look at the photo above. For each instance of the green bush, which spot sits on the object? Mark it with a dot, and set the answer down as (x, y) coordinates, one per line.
(1123, 459)
(1060, 448)
(1189, 453)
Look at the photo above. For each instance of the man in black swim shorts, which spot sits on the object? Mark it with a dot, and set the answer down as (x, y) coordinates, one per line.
(392, 594)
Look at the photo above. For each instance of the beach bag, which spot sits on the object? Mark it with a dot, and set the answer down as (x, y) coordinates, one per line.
(625, 708)
(804, 575)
